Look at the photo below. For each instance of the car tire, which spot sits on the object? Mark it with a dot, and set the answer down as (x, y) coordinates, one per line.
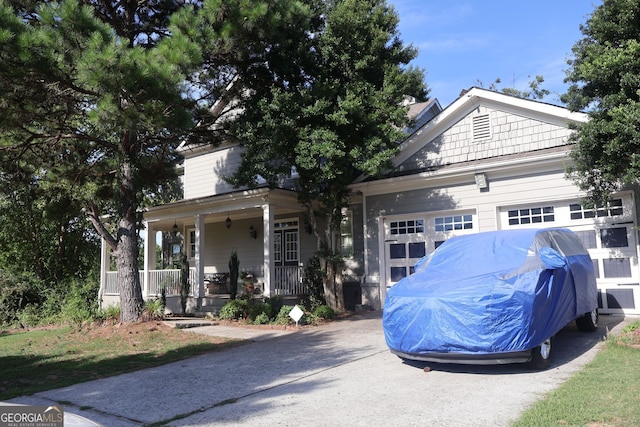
(588, 322)
(541, 355)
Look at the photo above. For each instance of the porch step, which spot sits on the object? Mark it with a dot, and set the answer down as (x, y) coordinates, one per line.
(187, 323)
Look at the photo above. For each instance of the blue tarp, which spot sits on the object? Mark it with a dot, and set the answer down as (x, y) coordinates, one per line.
(487, 293)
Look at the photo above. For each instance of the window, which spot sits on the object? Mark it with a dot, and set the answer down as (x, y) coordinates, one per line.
(411, 226)
(535, 215)
(346, 233)
(614, 237)
(192, 243)
(453, 222)
(613, 208)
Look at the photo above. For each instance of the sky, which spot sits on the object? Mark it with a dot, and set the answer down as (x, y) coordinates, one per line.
(463, 42)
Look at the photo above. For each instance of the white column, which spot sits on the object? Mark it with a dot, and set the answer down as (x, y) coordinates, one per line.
(269, 271)
(104, 267)
(199, 256)
(149, 258)
(382, 265)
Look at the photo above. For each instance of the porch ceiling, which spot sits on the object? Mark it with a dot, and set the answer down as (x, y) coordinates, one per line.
(238, 205)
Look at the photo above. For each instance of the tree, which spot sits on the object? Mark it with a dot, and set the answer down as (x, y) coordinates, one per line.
(334, 113)
(100, 93)
(111, 111)
(605, 80)
(535, 88)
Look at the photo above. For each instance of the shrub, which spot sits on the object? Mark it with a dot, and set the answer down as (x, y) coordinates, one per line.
(17, 291)
(111, 314)
(261, 319)
(312, 278)
(153, 309)
(283, 315)
(81, 303)
(234, 309)
(324, 312)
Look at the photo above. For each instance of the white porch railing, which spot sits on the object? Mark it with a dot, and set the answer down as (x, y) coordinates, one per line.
(288, 281)
(170, 279)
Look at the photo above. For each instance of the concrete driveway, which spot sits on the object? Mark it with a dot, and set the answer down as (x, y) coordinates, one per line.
(338, 374)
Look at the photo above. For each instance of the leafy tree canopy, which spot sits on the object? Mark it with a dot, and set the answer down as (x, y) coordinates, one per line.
(605, 80)
(335, 111)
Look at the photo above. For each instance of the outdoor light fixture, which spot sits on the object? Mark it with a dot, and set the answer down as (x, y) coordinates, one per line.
(253, 232)
(228, 222)
(175, 228)
(481, 181)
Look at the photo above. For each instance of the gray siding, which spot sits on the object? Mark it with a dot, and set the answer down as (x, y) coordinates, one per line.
(510, 134)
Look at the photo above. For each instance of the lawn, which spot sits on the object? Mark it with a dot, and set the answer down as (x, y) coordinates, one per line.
(48, 358)
(603, 394)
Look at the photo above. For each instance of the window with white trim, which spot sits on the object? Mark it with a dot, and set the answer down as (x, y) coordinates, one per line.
(411, 226)
(453, 222)
(613, 208)
(192, 243)
(534, 215)
(346, 233)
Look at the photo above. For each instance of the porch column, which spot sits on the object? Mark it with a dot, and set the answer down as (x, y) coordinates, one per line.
(269, 271)
(149, 259)
(104, 267)
(199, 257)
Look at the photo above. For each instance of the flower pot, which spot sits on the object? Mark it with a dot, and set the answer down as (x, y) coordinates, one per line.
(249, 287)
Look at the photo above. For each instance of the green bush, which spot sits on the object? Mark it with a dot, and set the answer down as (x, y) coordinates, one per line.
(81, 302)
(283, 315)
(261, 319)
(110, 314)
(153, 309)
(324, 312)
(18, 291)
(234, 309)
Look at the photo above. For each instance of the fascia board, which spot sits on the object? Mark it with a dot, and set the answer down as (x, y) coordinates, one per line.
(463, 173)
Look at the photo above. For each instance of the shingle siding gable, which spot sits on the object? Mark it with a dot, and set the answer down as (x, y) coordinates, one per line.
(509, 134)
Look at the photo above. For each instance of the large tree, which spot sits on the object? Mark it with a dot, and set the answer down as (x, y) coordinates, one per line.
(605, 81)
(101, 92)
(336, 112)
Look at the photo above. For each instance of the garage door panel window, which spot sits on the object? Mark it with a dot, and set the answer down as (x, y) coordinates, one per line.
(588, 238)
(614, 237)
(397, 251)
(417, 250)
(534, 215)
(454, 222)
(398, 273)
(614, 208)
(616, 267)
(406, 227)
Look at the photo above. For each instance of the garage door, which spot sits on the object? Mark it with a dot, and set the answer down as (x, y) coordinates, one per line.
(608, 233)
(409, 238)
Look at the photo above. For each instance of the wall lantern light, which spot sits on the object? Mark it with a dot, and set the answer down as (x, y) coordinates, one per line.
(228, 222)
(481, 181)
(253, 232)
(175, 228)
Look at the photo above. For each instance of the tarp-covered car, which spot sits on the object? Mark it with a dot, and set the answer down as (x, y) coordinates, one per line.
(494, 297)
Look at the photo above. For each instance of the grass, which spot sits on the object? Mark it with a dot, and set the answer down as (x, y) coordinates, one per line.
(604, 393)
(46, 359)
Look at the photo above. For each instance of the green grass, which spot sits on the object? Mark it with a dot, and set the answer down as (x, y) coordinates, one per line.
(40, 360)
(604, 393)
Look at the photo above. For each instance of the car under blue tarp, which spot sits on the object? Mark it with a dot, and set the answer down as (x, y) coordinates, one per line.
(490, 293)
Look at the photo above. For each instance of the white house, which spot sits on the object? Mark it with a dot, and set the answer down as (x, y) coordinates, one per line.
(488, 161)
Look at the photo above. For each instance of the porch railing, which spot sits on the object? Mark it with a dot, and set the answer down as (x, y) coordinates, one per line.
(288, 281)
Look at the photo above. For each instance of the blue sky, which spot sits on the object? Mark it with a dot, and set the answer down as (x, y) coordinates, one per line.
(463, 41)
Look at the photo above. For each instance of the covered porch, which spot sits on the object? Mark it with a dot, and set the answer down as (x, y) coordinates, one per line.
(264, 226)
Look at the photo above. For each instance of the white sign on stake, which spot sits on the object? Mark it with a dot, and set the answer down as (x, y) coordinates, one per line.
(296, 314)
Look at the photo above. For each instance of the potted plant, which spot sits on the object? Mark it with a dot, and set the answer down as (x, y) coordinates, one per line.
(247, 278)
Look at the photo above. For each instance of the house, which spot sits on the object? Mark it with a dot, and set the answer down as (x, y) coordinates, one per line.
(488, 161)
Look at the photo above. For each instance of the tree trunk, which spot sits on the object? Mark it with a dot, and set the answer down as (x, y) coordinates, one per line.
(131, 300)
